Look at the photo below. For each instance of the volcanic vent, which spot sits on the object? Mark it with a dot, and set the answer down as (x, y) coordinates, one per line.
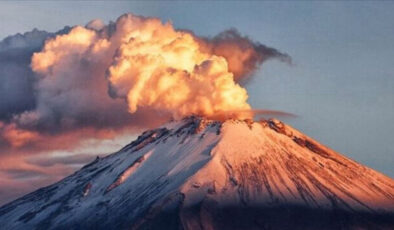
(206, 174)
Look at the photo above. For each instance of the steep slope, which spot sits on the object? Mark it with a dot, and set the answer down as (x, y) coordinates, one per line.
(203, 174)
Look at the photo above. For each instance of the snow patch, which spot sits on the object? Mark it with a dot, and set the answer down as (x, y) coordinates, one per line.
(86, 189)
(129, 171)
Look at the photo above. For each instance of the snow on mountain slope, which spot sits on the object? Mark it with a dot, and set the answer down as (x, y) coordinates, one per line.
(203, 174)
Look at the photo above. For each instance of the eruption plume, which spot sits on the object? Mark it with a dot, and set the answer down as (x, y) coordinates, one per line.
(154, 66)
(79, 77)
(166, 70)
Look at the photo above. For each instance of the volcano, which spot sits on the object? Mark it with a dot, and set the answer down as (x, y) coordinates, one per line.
(205, 174)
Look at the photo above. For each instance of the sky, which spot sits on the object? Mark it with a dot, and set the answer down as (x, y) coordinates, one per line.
(340, 83)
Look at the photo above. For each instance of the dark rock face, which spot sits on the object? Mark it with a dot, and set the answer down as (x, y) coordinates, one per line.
(203, 174)
(209, 216)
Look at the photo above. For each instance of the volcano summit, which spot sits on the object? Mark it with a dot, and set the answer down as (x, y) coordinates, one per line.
(204, 174)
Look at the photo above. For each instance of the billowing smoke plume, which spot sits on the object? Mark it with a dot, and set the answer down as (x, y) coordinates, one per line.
(80, 77)
(166, 70)
(151, 65)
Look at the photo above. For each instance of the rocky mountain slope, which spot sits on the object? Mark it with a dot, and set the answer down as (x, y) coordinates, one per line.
(205, 174)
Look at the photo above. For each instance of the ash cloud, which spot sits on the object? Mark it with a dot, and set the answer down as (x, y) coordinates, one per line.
(75, 78)
(80, 77)
(244, 56)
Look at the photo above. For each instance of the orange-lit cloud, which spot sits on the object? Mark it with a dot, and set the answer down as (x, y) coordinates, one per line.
(163, 69)
(17, 137)
(154, 66)
(82, 76)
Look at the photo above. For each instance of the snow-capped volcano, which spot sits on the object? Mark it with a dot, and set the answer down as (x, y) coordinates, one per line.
(205, 174)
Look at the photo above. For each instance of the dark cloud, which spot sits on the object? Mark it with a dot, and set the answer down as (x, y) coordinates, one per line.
(243, 55)
(16, 77)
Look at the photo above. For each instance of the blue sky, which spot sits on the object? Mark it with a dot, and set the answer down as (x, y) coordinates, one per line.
(341, 84)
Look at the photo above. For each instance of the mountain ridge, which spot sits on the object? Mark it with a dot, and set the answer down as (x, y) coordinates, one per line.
(199, 173)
